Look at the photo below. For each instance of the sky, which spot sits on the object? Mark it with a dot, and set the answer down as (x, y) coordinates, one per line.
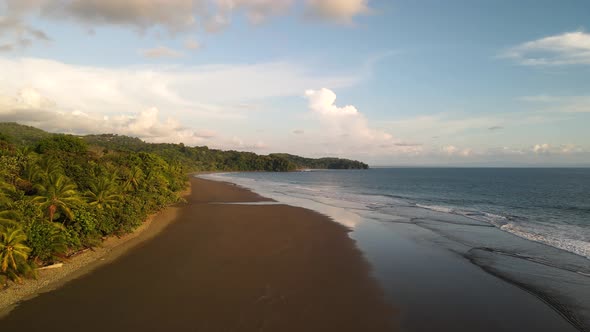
(388, 82)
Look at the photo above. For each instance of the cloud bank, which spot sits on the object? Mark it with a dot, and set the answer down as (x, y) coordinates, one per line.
(170, 16)
(159, 104)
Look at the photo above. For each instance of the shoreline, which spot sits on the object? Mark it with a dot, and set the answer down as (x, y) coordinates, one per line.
(219, 267)
(402, 244)
(85, 262)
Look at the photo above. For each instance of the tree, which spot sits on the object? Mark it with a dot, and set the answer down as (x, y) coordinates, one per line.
(57, 195)
(8, 193)
(133, 179)
(14, 253)
(103, 193)
(46, 167)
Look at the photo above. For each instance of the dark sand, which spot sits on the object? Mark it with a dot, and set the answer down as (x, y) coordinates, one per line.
(222, 267)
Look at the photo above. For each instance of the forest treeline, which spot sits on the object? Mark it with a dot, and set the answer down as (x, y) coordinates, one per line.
(62, 193)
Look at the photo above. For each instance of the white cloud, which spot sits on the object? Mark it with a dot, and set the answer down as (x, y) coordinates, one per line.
(347, 129)
(322, 101)
(342, 11)
(490, 138)
(30, 108)
(196, 89)
(566, 49)
(160, 52)
(157, 103)
(562, 149)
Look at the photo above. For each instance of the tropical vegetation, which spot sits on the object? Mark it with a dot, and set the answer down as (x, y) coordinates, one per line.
(63, 193)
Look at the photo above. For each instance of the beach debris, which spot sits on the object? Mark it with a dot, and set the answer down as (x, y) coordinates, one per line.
(53, 266)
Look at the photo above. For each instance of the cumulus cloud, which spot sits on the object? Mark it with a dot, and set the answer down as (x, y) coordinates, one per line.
(322, 101)
(31, 108)
(565, 49)
(160, 52)
(203, 90)
(157, 103)
(341, 11)
(346, 128)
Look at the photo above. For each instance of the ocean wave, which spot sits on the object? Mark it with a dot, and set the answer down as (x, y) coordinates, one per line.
(572, 238)
(436, 208)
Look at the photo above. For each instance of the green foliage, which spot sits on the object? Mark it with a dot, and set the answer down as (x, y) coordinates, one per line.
(47, 240)
(322, 163)
(103, 193)
(61, 143)
(14, 253)
(133, 212)
(59, 193)
(21, 135)
(201, 158)
(56, 195)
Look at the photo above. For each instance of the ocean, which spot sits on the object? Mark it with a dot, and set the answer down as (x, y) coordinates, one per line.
(527, 227)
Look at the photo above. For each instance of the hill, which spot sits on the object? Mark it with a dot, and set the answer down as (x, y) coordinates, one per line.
(199, 158)
(322, 163)
(21, 135)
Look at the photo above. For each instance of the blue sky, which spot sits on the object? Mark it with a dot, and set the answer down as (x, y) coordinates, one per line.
(487, 83)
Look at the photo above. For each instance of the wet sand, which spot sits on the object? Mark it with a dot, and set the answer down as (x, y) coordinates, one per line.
(222, 267)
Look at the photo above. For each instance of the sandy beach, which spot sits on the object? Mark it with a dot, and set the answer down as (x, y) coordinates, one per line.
(86, 261)
(222, 267)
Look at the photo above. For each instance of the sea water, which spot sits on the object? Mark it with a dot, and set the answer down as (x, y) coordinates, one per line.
(529, 227)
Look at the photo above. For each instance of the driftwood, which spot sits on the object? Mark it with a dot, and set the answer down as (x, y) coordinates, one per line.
(54, 266)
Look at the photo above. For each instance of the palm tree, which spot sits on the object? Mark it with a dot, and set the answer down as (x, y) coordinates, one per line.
(47, 167)
(103, 193)
(133, 179)
(13, 253)
(7, 194)
(57, 195)
(31, 171)
(8, 218)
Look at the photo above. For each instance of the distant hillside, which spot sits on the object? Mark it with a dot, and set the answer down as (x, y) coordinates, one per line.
(21, 135)
(199, 158)
(322, 163)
